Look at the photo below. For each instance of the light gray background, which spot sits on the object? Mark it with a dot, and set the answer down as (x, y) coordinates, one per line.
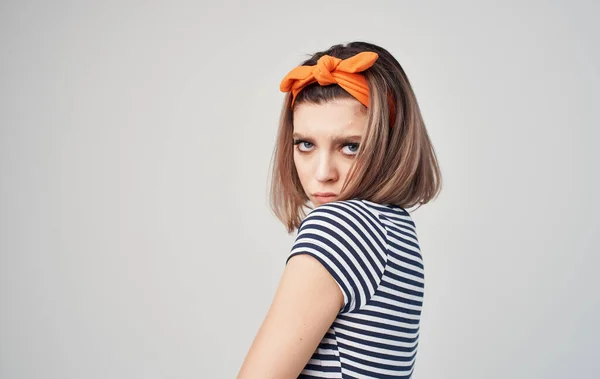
(135, 140)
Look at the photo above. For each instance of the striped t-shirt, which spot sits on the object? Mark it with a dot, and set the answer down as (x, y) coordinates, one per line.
(372, 252)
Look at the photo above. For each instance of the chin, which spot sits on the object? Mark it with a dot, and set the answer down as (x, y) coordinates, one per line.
(317, 203)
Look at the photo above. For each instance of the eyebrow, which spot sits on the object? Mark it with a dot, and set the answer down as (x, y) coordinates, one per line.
(334, 139)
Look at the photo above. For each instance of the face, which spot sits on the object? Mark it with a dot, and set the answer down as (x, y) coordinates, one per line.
(326, 140)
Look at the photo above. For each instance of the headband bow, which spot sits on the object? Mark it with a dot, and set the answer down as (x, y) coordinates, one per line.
(332, 70)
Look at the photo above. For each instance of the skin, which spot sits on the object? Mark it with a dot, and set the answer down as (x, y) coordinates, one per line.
(308, 299)
(329, 136)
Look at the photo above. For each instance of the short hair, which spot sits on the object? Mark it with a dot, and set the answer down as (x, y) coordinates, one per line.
(396, 164)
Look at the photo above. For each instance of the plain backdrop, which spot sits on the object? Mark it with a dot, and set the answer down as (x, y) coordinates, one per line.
(136, 239)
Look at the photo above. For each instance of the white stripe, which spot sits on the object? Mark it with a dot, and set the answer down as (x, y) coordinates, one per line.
(324, 362)
(323, 351)
(376, 370)
(398, 262)
(319, 374)
(397, 353)
(375, 329)
(406, 275)
(370, 358)
(392, 312)
(364, 337)
(403, 284)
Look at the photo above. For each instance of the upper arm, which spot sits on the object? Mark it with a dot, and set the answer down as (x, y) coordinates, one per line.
(350, 245)
(334, 267)
(305, 305)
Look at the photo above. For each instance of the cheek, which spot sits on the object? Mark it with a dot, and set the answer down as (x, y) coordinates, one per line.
(344, 167)
(301, 167)
(305, 169)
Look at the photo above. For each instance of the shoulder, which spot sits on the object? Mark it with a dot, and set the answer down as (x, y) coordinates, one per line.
(356, 216)
(350, 241)
(350, 214)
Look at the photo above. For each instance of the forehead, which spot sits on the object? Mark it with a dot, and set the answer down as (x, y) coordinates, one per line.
(341, 116)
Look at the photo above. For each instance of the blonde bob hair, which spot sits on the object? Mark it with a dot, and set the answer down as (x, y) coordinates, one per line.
(396, 164)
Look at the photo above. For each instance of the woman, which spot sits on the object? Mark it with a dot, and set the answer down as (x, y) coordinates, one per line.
(352, 142)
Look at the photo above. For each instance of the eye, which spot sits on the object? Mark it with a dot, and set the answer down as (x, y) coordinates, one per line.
(303, 146)
(352, 148)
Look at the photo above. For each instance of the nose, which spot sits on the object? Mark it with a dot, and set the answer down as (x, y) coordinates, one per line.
(326, 170)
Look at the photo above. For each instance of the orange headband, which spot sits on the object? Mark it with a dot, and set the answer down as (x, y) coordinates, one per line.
(332, 70)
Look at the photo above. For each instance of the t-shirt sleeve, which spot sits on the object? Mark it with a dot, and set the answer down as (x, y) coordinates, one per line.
(347, 242)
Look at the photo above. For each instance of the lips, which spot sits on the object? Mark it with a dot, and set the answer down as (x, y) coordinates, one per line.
(324, 194)
(324, 197)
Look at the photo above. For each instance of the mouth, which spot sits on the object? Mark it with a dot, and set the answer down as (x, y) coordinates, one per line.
(324, 196)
